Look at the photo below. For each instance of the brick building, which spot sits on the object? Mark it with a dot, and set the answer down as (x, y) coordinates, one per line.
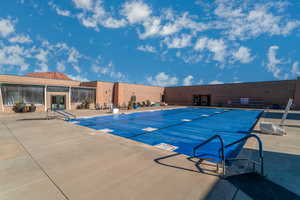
(50, 90)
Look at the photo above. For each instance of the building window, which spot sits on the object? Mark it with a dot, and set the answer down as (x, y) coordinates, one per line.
(13, 94)
(80, 95)
(57, 89)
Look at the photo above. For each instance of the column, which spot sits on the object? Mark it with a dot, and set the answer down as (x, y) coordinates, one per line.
(69, 102)
(45, 97)
(1, 100)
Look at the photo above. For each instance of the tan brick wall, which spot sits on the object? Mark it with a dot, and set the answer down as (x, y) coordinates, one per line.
(142, 93)
(297, 94)
(104, 92)
(9, 109)
(273, 92)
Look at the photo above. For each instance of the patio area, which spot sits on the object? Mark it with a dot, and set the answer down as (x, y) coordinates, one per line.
(53, 159)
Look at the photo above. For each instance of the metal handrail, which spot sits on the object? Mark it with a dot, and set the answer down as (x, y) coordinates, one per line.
(65, 114)
(222, 149)
(261, 156)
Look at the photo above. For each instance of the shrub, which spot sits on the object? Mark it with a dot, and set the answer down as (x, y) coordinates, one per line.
(133, 98)
(19, 107)
(32, 108)
(144, 104)
(148, 103)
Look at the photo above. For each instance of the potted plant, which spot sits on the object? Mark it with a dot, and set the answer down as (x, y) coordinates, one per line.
(133, 98)
(148, 103)
(130, 105)
(32, 108)
(19, 107)
(134, 105)
(87, 104)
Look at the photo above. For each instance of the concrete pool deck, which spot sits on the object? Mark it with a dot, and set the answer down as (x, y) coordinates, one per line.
(53, 159)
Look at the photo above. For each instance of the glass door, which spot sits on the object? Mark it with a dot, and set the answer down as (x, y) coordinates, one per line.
(58, 102)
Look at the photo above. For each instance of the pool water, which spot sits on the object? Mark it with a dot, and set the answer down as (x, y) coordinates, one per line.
(180, 130)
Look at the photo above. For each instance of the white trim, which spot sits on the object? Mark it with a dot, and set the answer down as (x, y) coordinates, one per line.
(70, 98)
(1, 99)
(45, 97)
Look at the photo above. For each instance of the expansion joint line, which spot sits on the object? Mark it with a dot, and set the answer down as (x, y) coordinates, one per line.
(34, 160)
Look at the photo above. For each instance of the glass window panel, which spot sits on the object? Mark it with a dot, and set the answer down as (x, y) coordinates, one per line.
(79, 95)
(13, 94)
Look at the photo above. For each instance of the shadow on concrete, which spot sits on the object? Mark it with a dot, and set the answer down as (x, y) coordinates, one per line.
(35, 119)
(263, 188)
(168, 163)
(259, 132)
(277, 115)
(260, 188)
(292, 126)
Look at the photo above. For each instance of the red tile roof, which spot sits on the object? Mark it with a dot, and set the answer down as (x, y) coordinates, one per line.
(50, 75)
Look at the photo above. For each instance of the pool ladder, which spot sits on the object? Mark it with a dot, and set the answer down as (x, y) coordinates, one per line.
(222, 152)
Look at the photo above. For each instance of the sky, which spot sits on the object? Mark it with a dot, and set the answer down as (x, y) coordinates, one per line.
(152, 42)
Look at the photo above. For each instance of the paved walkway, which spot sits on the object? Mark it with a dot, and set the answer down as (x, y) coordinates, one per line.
(53, 159)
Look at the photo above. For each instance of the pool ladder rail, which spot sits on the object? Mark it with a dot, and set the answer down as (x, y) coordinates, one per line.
(61, 113)
(222, 152)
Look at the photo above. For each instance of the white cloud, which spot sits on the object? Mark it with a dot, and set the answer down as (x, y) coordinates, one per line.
(74, 55)
(42, 55)
(60, 67)
(188, 80)
(216, 46)
(295, 69)
(59, 11)
(151, 27)
(243, 54)
(78, 78)
(84, 4)
(147, 48)
(20, 39)
(13, 56)
(107, 70)
(273, 62)
(136, 11)
(43, 67)
(94, 15)
(250, 21)
(162, 79)
(77, 68)
(201, 43)
(178, 42)
(214, 82)
(6, 27)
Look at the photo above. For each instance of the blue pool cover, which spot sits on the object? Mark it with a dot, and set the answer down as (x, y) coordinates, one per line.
(180, 130)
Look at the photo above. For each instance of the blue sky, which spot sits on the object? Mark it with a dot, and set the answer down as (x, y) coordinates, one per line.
(153, 42)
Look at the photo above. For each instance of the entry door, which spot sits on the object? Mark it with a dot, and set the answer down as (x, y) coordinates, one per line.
(204, 100)
(58, 102)
(197, 100)
(201, 100)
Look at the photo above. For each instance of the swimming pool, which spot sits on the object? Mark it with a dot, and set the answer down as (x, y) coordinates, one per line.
(180, 130)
